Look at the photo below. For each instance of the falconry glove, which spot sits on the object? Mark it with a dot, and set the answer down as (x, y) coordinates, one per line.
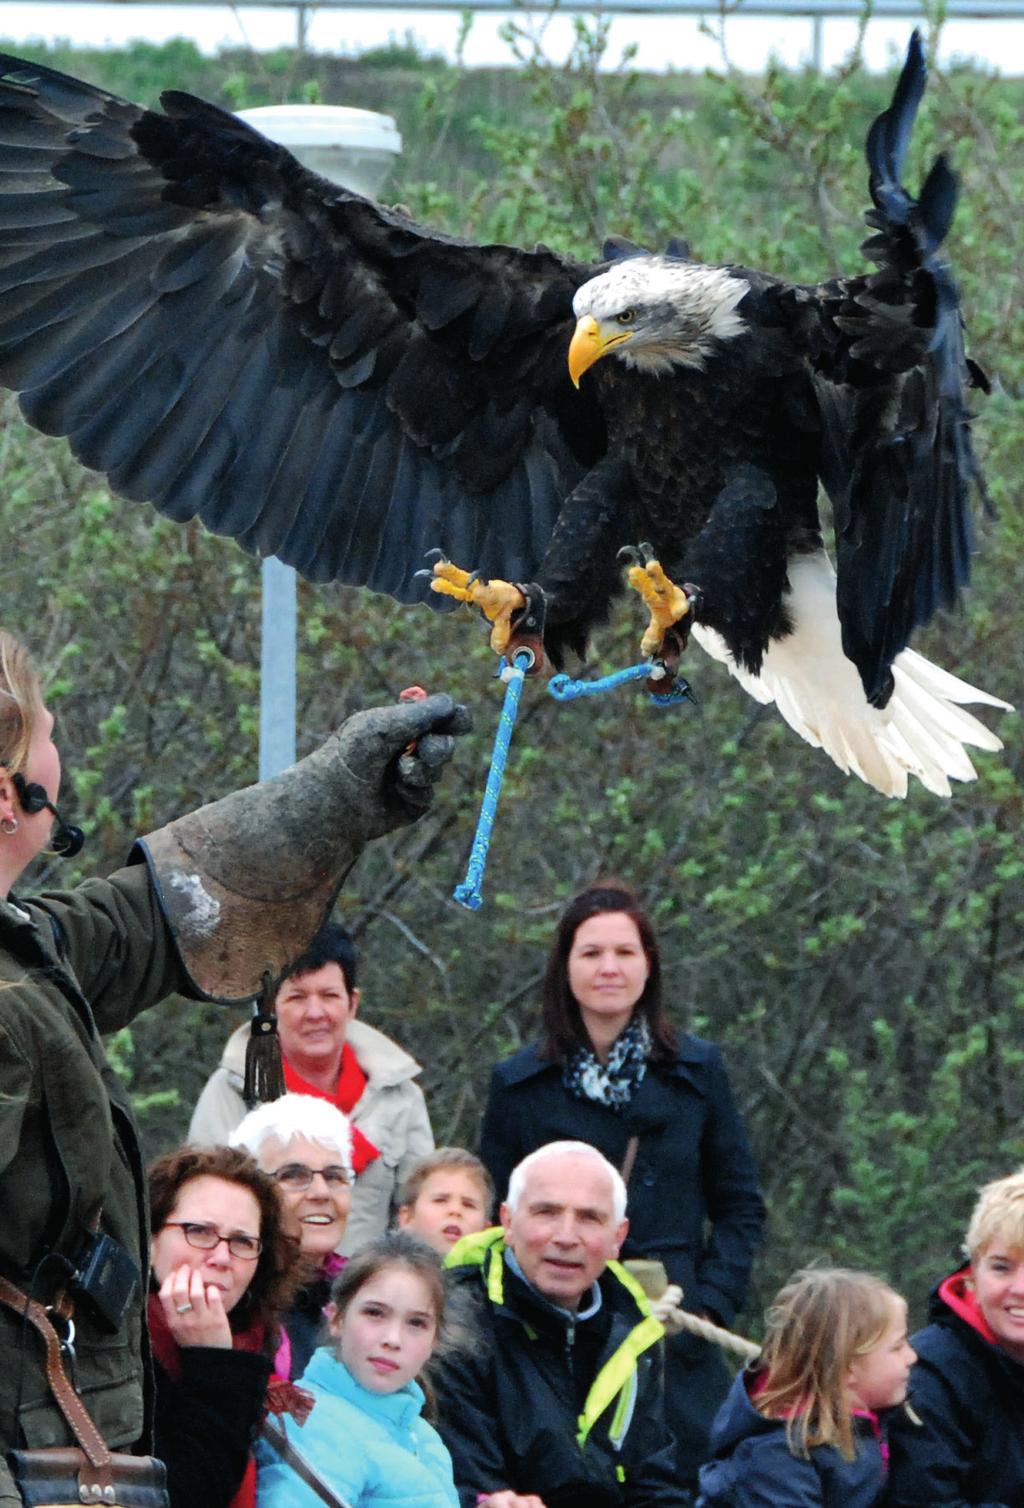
(246, 882)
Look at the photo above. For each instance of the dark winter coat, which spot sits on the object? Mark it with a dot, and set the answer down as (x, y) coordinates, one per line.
(73, 965)
(969, 1396)
(304, 1323)
(693, 1193)
(513, 1395)
(752, 1465)
(206, 1423)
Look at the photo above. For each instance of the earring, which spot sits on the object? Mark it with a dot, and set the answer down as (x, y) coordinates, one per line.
(9, 826)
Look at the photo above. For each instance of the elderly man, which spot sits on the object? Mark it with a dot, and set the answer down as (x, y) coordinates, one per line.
(327, 1053)
(553, 1397)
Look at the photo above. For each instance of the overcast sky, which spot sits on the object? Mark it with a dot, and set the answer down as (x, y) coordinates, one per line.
(664, 42)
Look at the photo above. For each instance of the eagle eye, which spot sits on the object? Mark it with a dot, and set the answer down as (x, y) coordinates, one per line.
(626, 316)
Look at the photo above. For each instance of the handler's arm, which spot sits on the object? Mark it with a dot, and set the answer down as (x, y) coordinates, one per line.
(118, 946)
(242, 885)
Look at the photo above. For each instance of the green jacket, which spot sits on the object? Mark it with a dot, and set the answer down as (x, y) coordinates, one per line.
(73, 965)
(537, 1401)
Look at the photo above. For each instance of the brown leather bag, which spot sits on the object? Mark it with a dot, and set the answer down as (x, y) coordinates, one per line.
(68, 1476)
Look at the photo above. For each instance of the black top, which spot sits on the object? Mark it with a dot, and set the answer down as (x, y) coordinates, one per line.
(969, 1396)
(206, 1423)
(752, 1465)
(510, 1398)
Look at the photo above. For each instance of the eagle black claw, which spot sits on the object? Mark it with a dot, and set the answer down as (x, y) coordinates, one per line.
(435, 556)
(641, 554)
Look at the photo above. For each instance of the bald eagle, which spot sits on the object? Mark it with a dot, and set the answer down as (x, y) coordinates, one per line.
(226, 335)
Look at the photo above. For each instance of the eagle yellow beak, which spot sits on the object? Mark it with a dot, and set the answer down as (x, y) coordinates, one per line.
(589, 343)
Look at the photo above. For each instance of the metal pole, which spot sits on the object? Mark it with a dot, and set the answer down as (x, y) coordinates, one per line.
(277, 669)
(818, 42)
(301, 25)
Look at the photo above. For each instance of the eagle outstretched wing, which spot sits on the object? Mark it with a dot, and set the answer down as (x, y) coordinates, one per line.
(228, 336)
(890, 373)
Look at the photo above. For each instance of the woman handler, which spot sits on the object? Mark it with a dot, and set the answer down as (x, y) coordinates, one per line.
(197, 912)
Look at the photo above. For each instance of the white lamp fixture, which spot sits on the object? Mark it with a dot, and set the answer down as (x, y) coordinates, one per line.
(352, 147)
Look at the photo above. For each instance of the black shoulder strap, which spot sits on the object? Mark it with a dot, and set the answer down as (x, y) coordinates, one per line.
(296, 1460)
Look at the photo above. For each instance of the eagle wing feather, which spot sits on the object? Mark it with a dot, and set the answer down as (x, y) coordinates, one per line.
(229, 336)
(890, 377)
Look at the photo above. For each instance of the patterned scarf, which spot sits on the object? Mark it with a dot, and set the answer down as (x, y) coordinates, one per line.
(613, 1083)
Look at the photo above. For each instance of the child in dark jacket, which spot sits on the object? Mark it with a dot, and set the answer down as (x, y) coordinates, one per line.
(802, 1430)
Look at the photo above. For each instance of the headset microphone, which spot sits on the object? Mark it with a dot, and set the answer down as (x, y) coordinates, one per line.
(66, 841)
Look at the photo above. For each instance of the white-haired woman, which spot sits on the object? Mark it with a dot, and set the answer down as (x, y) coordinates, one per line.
(305, 1144)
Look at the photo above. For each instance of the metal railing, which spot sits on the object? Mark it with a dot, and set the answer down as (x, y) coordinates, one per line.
(816, 11)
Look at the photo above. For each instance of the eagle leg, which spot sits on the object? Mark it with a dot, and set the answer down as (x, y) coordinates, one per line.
(497, 600)
(666, 602)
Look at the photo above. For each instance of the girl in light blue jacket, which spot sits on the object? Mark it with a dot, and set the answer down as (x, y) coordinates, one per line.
(366, 1438)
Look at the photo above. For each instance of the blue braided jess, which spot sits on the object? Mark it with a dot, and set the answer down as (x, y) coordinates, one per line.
(470, 892)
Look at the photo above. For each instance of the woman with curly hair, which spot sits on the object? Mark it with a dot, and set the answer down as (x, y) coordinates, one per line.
(223, 1271)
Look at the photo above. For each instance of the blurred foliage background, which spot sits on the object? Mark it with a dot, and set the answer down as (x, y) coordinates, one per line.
(862, 962)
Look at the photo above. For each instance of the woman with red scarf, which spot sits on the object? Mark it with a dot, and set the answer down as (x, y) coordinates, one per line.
(223, 1271)
(965, 1448)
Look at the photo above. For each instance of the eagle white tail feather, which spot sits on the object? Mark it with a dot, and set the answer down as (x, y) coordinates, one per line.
(817, 690)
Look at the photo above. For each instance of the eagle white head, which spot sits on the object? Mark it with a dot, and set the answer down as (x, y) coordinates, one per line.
(655, 313)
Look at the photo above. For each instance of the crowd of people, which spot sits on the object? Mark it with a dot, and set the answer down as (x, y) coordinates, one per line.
(337, 1312)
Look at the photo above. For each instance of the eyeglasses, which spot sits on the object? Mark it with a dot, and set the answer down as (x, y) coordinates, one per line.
(296, 1176)
(207, 1237)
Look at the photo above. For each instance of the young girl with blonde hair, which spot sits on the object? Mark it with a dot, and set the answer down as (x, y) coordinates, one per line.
(803, 1429)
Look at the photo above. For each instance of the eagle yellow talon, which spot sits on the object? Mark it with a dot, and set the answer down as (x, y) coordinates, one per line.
(497, 600)
(666, 601)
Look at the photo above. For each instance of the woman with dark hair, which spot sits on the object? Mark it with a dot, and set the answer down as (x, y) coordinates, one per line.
(611, 1070)
(223, 1270)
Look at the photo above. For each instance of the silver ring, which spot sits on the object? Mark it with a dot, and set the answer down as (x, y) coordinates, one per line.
(182, 1308)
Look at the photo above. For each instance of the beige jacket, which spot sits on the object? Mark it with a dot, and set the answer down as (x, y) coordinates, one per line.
(392, 1113)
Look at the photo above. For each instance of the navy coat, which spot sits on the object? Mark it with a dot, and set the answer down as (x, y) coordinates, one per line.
(969, 1446)
(753, 1466)
(693, 1194)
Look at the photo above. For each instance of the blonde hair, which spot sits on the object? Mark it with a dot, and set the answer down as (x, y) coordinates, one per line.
(21, 702)
(997, 1216)
(820, 1322)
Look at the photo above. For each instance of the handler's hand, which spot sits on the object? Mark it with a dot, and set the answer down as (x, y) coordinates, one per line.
(204, 1322)
(397, 755)
(507, 1499)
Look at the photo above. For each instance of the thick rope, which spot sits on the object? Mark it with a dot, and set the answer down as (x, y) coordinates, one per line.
(683, 1319)
(470, 892)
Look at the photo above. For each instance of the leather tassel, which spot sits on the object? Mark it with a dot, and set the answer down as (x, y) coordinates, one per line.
(264, 1071)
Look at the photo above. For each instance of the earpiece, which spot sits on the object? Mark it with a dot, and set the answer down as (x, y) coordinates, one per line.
(31, 794)
(67, 840)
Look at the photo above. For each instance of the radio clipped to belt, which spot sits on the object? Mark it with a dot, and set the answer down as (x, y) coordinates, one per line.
(89, 1472)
